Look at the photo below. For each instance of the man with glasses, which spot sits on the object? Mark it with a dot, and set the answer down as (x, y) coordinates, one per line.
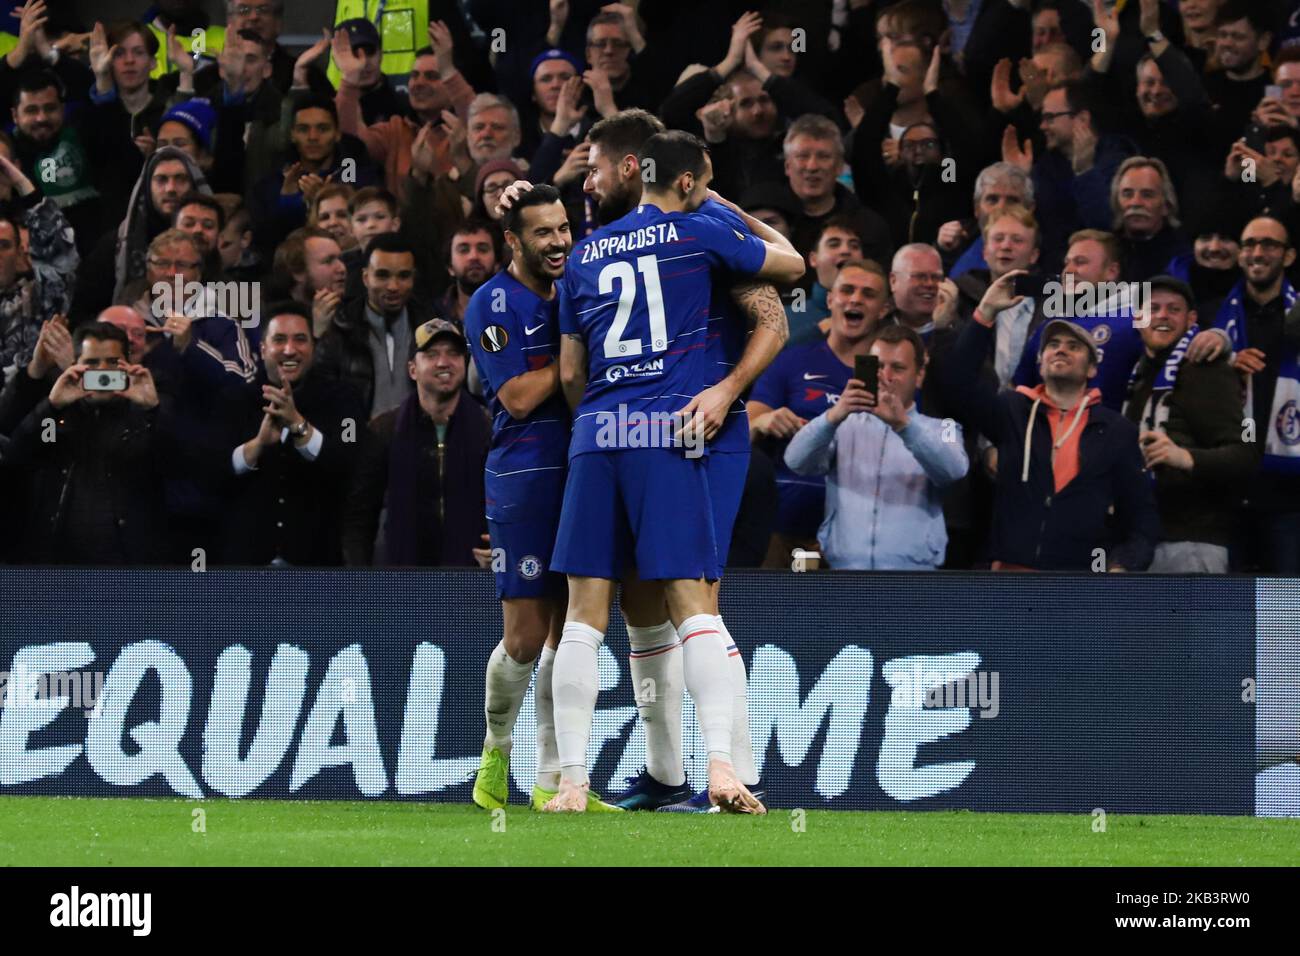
(1072, 177)
(266, 19)
(613, 41)
(1268, 360)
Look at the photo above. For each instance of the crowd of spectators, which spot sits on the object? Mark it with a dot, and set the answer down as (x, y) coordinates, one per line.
(1064, 229)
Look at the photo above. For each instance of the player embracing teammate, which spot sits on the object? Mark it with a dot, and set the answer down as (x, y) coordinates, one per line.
(511, 327)
(636, 301)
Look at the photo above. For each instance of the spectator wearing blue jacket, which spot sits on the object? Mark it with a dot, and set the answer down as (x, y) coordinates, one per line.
(1072, 490)
(887, 465)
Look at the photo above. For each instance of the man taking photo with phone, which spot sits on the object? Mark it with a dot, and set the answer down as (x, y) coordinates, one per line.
(95, 450)
(887, 465)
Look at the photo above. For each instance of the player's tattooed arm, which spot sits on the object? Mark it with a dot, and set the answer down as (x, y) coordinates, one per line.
(765, 313)
(573, 368)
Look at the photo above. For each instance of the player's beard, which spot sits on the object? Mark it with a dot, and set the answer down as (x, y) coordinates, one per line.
(534, 260)
(617, 204)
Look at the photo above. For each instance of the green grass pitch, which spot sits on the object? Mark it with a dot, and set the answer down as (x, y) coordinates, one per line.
(75, 831)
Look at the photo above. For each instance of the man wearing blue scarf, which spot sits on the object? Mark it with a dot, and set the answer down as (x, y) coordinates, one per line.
(1189, 424)
(1253, 317)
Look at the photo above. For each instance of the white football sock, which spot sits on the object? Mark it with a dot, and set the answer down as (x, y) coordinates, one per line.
(742, 750)
(575, 681)
(507, 682)
(656, 664)
(708, 678)
(548, 757)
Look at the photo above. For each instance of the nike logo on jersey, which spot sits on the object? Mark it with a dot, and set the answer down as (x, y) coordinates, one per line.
(809, 378)
(528, 331)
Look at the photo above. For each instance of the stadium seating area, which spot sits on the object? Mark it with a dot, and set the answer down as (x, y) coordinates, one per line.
(1064, 229)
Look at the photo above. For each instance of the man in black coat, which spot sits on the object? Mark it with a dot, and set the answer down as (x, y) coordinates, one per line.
(292, 443)
(96, 459)
(424, 463)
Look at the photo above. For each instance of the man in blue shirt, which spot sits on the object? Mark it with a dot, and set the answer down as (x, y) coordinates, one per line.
(887, 468)
(635, 304)
(803, 383)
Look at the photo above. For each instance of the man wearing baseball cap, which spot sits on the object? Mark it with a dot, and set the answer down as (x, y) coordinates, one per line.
(1064, 459)
(1189, 420)
(424, 463)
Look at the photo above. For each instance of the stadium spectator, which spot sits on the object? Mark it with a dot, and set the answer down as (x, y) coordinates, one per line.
(802, 383)
(202, 218)
(1189, 421)
(1088, 294)
(1051, 513)
(887, 465)
(474, 255)
(915, 283)
(1010, 245)
(836, 244)
(961, 241)
(38, 267)
(554, 72)
(619, 78)
(118, 257)
(95, 460)
(310, 263)
(1215, 225)
(377, 99)
(319, 152)
(814, 156)
(741, 105)
(220, 347)
(1243, 35)
(1072, 176)
(43, 140)
(493, 178)
(369, 338)
(423, 466)
(331, 211)
(1144, 206)
(292, 440)
(435, 87)
(1254, 318)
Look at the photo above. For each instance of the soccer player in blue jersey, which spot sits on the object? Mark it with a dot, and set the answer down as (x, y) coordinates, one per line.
(511, 326)
(635, 304)
(803, 383)
(740, 352)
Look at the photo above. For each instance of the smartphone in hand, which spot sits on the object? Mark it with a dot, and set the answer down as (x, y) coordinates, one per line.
(866, 369)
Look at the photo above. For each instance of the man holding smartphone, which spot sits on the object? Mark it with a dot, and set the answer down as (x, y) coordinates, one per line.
(887, 465)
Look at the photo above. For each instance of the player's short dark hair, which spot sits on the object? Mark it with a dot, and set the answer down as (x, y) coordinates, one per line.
(895, 333)
(672, 154)
(37, 80)
(207, 202)
(541, 195)
(392, 242)
(289, 307)
(624, 133)
(101, 332)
